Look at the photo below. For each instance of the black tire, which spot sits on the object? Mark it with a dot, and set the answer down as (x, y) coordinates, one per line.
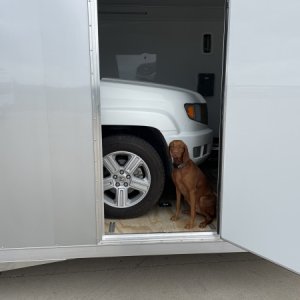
(146, 179)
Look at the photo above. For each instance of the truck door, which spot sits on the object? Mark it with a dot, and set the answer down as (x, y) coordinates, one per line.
(260, 177)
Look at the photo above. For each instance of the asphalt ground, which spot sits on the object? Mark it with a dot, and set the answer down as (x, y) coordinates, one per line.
(210, 276)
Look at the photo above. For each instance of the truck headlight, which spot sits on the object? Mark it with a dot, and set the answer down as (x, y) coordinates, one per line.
(197, 112)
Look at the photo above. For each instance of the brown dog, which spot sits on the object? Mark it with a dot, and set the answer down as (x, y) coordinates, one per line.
(192, 184)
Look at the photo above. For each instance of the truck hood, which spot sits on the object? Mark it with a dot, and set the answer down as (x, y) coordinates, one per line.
(151, 86)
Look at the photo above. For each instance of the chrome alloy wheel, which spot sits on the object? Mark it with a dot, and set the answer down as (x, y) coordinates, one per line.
(127, 179)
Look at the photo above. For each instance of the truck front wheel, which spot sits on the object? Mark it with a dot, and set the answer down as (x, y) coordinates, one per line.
(133, 176)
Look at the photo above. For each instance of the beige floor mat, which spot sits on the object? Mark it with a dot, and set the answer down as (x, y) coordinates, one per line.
(156, 221)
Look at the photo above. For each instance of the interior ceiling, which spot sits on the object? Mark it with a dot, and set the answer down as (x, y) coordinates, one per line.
(164, 2)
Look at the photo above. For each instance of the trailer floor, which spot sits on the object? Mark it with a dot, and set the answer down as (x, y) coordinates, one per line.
(156, 221)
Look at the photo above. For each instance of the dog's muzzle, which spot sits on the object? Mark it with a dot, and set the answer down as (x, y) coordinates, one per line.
(180, 166)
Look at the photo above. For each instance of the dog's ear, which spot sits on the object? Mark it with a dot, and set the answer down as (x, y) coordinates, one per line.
(185, 156)
(170, 150)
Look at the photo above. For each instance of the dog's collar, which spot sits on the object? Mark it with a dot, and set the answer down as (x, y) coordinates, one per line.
(179, 166)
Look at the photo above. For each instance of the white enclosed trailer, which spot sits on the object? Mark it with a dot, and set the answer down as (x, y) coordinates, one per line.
(51, 195)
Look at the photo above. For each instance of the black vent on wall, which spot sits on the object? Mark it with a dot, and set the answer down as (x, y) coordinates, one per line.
(206, 83)
(207, 43)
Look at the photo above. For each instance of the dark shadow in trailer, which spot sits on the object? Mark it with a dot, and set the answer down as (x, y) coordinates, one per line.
(177, 43)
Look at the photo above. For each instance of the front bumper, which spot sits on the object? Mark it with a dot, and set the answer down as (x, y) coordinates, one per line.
(199, 143)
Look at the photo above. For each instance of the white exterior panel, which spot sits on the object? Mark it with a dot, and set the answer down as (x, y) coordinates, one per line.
(260, 189)
(46, 156)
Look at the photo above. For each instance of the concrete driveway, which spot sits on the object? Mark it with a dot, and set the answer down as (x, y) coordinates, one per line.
(211, 276)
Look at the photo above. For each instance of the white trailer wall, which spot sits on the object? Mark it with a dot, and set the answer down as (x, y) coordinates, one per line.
(47, 193)
(260, 198)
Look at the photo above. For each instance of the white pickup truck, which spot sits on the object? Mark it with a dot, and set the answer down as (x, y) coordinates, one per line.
(139, 120)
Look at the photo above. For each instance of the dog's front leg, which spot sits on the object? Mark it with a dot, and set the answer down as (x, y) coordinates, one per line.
(178, 202)
(193, 210)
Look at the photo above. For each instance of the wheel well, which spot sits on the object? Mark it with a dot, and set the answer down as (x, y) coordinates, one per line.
(152, 135)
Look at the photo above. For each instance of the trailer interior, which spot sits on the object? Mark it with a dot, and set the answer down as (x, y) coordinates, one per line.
(185, 41)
